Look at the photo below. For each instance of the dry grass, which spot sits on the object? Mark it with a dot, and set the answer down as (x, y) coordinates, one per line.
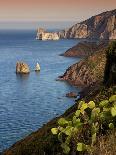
(106, 145)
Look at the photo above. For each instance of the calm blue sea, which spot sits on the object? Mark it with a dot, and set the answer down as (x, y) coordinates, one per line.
(26, 102)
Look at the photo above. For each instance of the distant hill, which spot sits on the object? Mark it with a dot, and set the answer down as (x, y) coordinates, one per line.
(102, 26)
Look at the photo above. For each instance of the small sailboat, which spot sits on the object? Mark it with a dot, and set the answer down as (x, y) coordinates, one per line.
(37, 68)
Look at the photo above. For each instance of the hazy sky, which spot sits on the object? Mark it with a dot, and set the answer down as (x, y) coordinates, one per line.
(52, 10)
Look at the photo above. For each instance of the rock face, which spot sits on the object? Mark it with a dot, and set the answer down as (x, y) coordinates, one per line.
(22, 68)
(102, 26)
(86, 72)
(43, 35)
(37, 68)
(110, 69)
(84, 49)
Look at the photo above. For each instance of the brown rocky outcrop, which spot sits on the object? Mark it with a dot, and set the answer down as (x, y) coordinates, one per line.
(86, 72)
(84, 49)
(102, 26)
(22, 68)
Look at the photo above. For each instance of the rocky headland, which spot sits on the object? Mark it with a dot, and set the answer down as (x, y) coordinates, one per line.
(86, 72)
(85, 48)
(101, 26)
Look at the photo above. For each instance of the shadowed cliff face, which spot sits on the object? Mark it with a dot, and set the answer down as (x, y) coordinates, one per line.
(102, 26)
(110, 69)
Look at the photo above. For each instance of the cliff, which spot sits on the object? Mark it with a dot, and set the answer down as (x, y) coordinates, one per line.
(102, 26)
(88, 71)
(110, 69)
(84, 49)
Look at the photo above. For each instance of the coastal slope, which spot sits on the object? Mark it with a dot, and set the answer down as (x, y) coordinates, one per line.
(101, 26)
(42, 142)
(84, 49)
(88, 71)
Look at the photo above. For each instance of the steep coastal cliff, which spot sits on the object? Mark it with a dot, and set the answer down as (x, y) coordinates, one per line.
(102, 26)
(87, 71)
(42, 142)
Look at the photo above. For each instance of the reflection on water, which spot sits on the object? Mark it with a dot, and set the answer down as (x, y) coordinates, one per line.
(37, 73)
(22, 77)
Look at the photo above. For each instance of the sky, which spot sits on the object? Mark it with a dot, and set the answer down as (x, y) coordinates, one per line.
(22, 11)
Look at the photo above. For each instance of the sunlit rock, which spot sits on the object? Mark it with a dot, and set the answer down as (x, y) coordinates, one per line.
(22, 68)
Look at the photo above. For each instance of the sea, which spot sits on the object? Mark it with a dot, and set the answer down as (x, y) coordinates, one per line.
(29, 101)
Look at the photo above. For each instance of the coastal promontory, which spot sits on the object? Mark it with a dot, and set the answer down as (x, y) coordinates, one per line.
(84, 49)
(101, 26)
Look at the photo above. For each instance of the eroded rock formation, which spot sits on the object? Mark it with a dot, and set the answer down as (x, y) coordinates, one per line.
(22, 68)
(43, 35)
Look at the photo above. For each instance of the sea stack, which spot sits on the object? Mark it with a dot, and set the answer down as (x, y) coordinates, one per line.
(37, 68)
(42, 34)
(22, 68)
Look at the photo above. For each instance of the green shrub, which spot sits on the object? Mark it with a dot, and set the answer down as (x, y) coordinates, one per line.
(88, 122)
